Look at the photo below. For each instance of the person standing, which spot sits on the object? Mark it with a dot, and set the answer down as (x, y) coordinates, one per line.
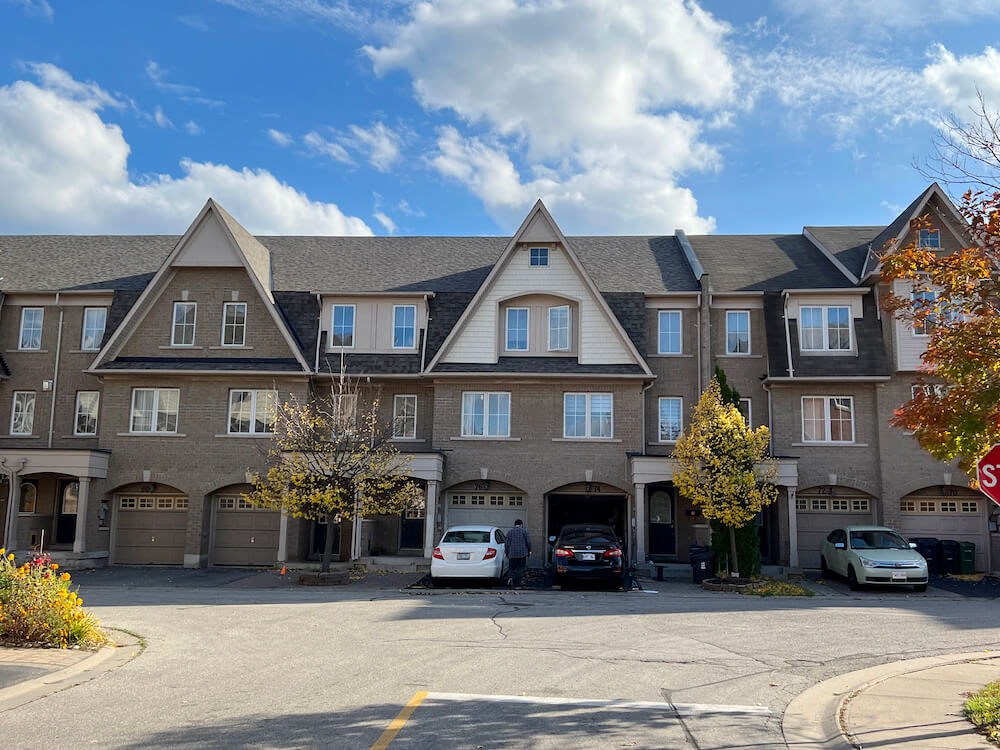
(517, 549)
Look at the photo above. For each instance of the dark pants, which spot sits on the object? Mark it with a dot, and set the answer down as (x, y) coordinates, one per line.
(517, 565)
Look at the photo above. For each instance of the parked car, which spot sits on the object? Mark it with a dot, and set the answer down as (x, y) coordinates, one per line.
(470, 552)
(585, 551)
(873, 555)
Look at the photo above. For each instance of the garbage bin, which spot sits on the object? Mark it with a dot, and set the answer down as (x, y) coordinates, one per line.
(701, 562)
(967, 557)
(927, 547)
(948, 557)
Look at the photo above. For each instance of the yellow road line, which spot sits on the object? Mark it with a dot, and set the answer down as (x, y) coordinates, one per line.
(397, 724)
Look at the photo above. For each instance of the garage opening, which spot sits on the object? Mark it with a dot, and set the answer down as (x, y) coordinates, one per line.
(573, 508)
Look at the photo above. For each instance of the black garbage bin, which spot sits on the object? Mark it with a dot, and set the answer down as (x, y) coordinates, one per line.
(949, 558)
(927, 547)
(701, 562)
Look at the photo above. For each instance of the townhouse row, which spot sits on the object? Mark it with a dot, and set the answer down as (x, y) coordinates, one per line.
(535, 376)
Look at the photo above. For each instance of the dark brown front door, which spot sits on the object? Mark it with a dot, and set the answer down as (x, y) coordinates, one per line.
(66, 505)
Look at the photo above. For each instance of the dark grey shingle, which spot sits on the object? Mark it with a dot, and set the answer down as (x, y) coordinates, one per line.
(849, 245)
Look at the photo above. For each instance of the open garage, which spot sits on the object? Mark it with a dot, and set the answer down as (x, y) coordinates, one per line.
(150, 529)
(575, 505)
(820, 510)
(244, 534)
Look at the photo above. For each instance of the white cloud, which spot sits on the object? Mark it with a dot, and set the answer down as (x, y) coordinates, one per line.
(388, 224)
(279, 138)
(39, 8)
(195, 22)
(331, 149)
(71, 172)
(160, 118)
(58, 80)
(954, 81)
(193, 128)
(886, 17)
(158, 76)
(584, 114)
(406, 208)
(381, 143)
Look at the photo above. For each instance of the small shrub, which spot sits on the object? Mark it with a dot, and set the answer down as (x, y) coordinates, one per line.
(774, 587)
(983, 710)
(38, 607)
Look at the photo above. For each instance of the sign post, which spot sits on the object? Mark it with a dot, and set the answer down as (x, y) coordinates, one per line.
(988, 474)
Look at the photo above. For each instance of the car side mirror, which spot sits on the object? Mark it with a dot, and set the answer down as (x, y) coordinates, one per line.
(913, 545)
(552, 540)
(839, 545)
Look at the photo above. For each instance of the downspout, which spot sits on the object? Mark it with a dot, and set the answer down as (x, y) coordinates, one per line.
(319, 330)
(642, 399)
(701, 386)
(55, 372)
(770, 420)
(423, 344)
(788, 336)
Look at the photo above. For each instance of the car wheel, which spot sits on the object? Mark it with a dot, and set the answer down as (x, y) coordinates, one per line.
(920, 588)
(852, 579)
(824, 569)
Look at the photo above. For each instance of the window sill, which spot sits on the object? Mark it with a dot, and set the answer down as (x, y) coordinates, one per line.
(90, 436)
(180, 346)
(407, 440)
(829, 443)
(585, 440)
(828, 353)
(739, 356)
(24, 437)
(151, 434)
(487, 438)
(662, 442)
(83, 351)
(224, 347)
(246, 435)
(35, 351)
(21, 514)
(668, 355)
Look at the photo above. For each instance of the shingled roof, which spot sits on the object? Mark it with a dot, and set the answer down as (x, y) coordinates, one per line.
(849, 245)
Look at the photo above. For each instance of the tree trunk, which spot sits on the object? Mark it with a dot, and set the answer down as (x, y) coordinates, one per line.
(734, 565)
(328, 546)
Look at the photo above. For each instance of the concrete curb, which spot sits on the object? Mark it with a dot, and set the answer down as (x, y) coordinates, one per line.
(812, 721)
(102, 661)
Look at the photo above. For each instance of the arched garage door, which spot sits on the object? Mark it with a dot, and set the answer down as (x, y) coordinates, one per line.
(820, 510)
(244, 533)
(947, 513)
(150, 529)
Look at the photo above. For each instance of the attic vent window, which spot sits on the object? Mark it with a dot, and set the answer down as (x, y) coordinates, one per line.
(539, 256)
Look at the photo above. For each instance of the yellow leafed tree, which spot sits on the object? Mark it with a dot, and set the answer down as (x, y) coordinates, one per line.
(724, 466)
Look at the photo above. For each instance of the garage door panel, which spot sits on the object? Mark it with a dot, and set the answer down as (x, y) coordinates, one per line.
(150, 537)
(813, 528)
(246, 537)
(487, 517)
(971, 528)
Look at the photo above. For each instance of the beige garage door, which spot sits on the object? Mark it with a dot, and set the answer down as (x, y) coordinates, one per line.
(151, 530)
(245, 534)
(490, 509)
(960, 518)
(816, 517)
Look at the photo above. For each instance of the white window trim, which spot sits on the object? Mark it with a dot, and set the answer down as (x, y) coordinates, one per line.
(750, 411)
(253, 409)
(826, 421)
(659, 433)
(569, 329)
(932, 232)
(826, 328)
(548, 253)
(354, 325)
(749, 336)
(395, 415)
(20, 331)
(173, 324)
(527, 329)
(680, 331)
(913, 328)
(83, 331)
(156, 410)
(400, 307)
(13, 410)
(588, 436)
(76, 415)
(486, 415)
(222, 335)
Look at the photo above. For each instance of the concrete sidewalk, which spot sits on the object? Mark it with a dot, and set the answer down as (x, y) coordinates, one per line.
(910, 704)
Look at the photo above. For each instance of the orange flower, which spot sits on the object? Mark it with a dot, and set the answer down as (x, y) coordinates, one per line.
(54, 566)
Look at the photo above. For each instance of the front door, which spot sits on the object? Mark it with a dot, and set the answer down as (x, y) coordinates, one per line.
(69, 497)
(411, 529)
(662, 525)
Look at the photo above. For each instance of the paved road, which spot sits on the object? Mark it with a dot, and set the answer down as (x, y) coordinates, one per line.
(301, 667)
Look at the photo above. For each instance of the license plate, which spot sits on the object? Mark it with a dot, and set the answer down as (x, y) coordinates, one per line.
(462, 555)
(898, 575)
(588, 556)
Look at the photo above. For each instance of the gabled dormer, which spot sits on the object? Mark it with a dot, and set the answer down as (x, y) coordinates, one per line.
(210, 306)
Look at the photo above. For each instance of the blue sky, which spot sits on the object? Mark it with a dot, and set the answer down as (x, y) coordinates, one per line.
(450, 117)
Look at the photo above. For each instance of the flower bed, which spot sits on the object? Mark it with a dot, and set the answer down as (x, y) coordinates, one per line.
(983, 710)
(38, 608)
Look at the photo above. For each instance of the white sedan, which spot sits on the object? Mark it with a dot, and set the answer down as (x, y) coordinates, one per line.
(470, 552)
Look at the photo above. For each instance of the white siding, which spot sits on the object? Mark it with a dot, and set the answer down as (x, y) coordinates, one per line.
(599, 341)
(796, 301)
(908, 347)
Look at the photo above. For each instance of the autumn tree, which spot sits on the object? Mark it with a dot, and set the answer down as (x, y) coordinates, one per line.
(330, 458)
(724, 469)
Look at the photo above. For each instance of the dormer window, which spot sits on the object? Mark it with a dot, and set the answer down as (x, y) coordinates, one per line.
(342, 326)
(559, 328)
(539, 256)
(929, 238)
(517, 329)
(825, 329)
(404, 326)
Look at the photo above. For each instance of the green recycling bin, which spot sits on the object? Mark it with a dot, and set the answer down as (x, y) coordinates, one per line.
(967, 556)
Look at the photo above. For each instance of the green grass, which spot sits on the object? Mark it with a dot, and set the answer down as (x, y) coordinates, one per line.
(983, 710)
(774, 587)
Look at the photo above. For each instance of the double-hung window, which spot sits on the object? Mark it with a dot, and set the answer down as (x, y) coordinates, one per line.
(404, 326)
(827, 419)
(154, 409)
(344, 413)
(669, 334)
(182, 333)
(746, 409)
(588, 415)
(539, 256)
(342, 326)
(22, 415)
(517, 329)
(737, 332)
(251, 412)
(485, 414)
(929, 238)
(404, 416)
(670, 419)
(559, 328)
(85, 418)
(825, 329)
(31, 328)
(234, 324)
(94, 320)
(925, 301)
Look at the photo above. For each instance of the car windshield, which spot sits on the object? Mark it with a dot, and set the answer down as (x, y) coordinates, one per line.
(877, 540)
(466, 537)
(588, 536)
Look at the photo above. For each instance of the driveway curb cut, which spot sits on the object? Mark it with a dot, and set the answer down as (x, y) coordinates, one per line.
(106, 659)
(812, 720)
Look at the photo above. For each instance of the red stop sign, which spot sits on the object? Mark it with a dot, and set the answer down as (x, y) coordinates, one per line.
(988, 474)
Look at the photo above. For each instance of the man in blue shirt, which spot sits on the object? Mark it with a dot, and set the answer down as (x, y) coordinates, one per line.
(517, 549)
